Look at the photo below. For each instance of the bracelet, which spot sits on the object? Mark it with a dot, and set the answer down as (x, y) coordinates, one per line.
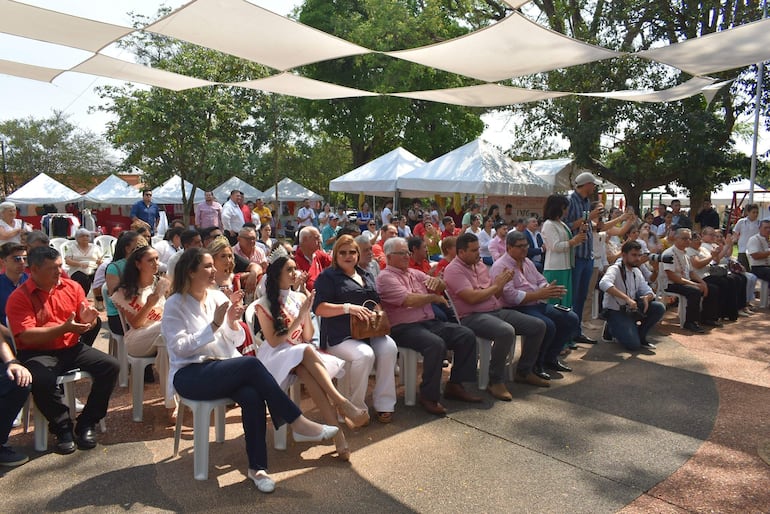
(346, 308)
(13, 361)
(216, 325)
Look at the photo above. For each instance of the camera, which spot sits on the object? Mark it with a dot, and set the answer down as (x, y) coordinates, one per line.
(659, 257)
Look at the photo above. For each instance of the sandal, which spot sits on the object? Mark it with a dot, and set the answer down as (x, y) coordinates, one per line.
(343, 452)
(354, 416)
(385, 417)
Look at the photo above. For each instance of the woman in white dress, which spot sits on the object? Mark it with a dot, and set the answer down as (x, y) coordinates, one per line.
(11, 227)
(83, 257)
(284, 318)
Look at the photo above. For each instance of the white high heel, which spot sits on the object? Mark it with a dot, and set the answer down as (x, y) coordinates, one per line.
(327, 432)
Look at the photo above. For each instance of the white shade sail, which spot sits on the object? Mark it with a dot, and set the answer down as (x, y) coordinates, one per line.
(114, 191)
(377, 177)
(510, 48)
(484, 95)
(43, 189)
(302, 87)
(105, 66)
(223, 190)
(719, 51)
(239, 28)
(475, 168)
(28, 71)
(170, 192)
(290, 191)
(690, 88)
(55, 27)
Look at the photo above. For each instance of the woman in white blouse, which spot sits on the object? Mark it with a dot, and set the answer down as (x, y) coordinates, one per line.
(201, 329)
(83, 257)
(559, 241)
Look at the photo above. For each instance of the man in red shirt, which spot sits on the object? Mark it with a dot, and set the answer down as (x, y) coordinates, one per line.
(48, 315)
(386, 232)
(449, 228)
(419, 259)
(309, 257)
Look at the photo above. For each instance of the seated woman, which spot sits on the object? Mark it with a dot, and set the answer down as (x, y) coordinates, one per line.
(140, 298)
(284, 317)
(340, 292)
(83, 257)
(265, 240)
(201, 329)
(432, 240)
(126, 243)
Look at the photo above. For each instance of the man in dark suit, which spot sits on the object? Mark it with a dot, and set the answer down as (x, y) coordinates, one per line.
(536, 252)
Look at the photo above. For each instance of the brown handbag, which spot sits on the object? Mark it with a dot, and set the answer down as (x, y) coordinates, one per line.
(377, 326)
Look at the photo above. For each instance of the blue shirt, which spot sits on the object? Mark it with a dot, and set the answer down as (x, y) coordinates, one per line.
(334, 286)
(577, 206)
(6, 288)
(150, 214)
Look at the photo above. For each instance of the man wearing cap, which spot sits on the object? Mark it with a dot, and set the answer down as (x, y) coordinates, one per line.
(329, 232)
(145, 211)
(580, 218)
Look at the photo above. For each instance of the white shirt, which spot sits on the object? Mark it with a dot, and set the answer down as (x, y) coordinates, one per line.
(186, 327)
(745, 228)
(681, 265)
(232, 217)
(484, 240)
(632, 283)
(386, 216)
(305, 212)
(757, 243)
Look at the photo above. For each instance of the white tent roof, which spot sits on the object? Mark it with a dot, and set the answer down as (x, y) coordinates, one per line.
(290, 191)
(724, 194)
(556, 172)
(377, 177)
(222, 191)
(114, 190)
(475, 168)
(43, 189)
(170, 192)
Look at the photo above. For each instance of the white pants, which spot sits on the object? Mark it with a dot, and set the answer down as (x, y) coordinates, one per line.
(361, 357)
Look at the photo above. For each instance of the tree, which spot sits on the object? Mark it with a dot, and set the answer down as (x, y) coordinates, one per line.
(641, 145)
(53, 146)
(373, 126)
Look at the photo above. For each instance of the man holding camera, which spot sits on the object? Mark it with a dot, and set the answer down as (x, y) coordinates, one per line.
(629, 299)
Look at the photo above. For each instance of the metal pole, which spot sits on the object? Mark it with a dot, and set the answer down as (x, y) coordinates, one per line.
(5, 169)
(757, 106)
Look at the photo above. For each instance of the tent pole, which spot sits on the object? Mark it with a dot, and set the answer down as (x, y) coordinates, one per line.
(757, 106)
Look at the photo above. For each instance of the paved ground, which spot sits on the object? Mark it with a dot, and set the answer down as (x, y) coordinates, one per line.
(676, 430)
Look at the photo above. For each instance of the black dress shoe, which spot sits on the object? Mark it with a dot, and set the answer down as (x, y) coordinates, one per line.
(648, 345)
(541, 373)
(693, 327)
(585, 339)
(65, 443)
(558, 366)
(85, 437)
(712, 323)
(149, 375)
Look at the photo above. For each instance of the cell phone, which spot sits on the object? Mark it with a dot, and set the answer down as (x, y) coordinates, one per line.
(561, 307)
(236, 283)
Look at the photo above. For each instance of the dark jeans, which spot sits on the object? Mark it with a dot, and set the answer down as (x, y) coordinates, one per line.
(12, 399)
(84, 280)
(581, 278)
(247, 381)
(625, 329)
(432, 338)
(46, 366)
(727, 301)
(560, 328)
(762, 272)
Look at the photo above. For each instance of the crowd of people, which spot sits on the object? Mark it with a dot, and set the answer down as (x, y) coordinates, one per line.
(447, 281)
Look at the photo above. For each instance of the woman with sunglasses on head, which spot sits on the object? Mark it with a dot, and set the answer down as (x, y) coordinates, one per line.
(284, 318)
(340, 292)
(201, 329)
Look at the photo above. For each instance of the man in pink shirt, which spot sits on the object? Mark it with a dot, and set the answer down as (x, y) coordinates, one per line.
(475, 297)
(208, 213)
(248, 249)
(497, 244)
(406, 295)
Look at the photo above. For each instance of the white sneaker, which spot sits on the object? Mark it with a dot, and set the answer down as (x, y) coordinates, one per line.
(78, 405)
(264, 483)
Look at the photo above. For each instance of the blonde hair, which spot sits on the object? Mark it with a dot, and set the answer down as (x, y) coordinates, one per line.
(218, 244)
(344, 240)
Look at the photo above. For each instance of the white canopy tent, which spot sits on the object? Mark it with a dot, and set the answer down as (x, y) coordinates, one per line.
(559, 173)
(113, 191)
(475, 168)
(378, 177)
(724, 194)
(290, 191)
(222, 191)
(43, 189)
(170, 192)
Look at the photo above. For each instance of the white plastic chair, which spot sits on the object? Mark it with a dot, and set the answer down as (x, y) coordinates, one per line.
(201, 422)
(106, 243)
(41, 423)
(762, 293)
(407, 362)
(58, 242)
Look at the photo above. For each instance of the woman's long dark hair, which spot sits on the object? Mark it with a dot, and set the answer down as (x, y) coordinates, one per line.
(129, 281)
(273, 294)
(125, 239)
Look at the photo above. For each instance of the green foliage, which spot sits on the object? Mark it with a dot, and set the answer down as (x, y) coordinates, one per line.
(376, 125)
(53, 146)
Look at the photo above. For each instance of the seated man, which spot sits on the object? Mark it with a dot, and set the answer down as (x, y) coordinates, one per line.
(628, 298)
(407, 295)
(14, 258)
(309, 256)
(476, 298)
(15, 383)
(419, 255)
(48, 315)
(527, 292)
(758, 251)
(680, 279)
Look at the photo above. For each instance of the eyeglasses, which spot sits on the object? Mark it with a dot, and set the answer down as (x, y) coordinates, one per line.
(525, 245)
(345, 253)
(20, 258)
(371, 224)
(147, 194)
(248, 238)
(402, 253)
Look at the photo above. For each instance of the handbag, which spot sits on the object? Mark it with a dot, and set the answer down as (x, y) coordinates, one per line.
(716, 270)
(377, 326)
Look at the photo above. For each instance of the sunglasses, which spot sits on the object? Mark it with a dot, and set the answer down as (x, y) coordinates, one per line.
(20, 258)
(345, 253)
